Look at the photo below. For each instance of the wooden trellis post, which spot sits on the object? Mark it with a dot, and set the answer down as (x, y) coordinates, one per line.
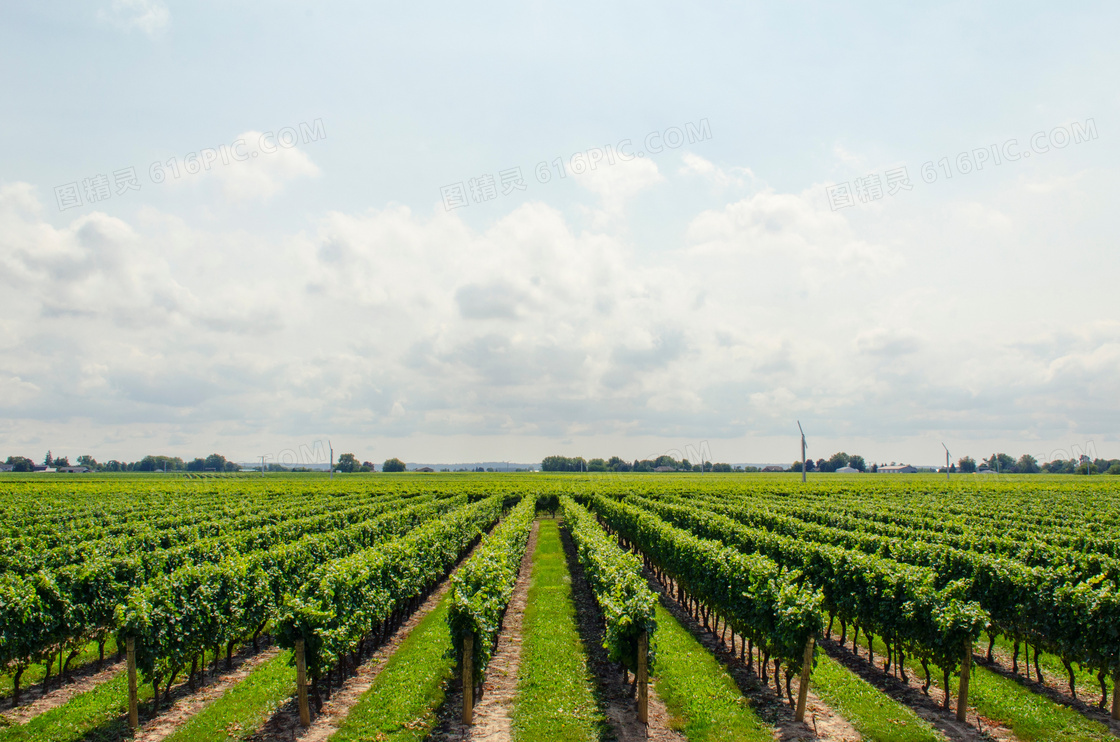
(962, 696)
(468, 678)
(803, 689)
(643, 678)
(133, 705)
(1116, 696)
(301, 685)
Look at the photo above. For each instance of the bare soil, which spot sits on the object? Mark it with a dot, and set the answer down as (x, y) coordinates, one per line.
(494, 708)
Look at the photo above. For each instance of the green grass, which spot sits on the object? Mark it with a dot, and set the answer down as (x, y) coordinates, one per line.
(1088, 687)
(401, 704)
(1029, 715)
(704, 701)
(98, 715)
(875, 716)
(554, 698)
(245, 707)
(34, 673)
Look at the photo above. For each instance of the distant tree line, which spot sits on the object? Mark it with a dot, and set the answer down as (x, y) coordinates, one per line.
(618, 464)
(1027, 464)
(834, 462)
(213, 462)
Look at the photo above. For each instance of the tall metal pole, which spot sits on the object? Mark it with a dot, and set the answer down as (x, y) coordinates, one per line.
(331, 446)
(803, 466)
(946, 461)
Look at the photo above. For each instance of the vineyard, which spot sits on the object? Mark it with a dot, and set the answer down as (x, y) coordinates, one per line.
(559, 606)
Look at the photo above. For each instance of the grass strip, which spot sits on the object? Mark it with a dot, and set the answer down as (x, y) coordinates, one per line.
(35, 672)
(705, 703)
(405, 696)
(98, 715)
(1030, 716)
(876, 716)
(242, 709)
(1088, 686)
(554, 700)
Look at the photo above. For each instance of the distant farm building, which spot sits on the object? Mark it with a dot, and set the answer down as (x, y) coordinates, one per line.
(773, 467)
(899, 469)
(848, 470)
(664, 469)
(6, 467)
(73, 470)
(425, 469)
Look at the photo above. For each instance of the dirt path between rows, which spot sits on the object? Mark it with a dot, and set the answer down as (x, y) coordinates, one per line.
(78, 684)
(284, 724)
(493, 712)
(821, 722)
(186, 706)
(617, 696)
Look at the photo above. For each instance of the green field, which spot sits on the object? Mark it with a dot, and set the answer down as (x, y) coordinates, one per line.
(185, 566)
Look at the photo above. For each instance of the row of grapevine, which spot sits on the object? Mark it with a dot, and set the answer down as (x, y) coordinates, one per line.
(482, 587)
(616, 579)
(349, 597)
(771, 606)
(900, 602)
(1059, 608)
(50, 611)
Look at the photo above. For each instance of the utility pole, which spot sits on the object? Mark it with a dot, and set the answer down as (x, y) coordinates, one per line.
(802, 450)
(946, 461)
(329, 445)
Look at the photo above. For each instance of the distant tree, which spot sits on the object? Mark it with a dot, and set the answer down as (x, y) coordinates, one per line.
(797, 466)
(596, 465)
(967, 465)
(62, 461)
(1087, 467)
(686, 465)
(196, 465)
(1114, 468)
(48, 461)
(837, 461)
(725, 468)
(1001, 462)
(347, 463)
(393, 465)
(21, 464)
(215, 461)
(89, 461)
(857, 463)
(1027, 464)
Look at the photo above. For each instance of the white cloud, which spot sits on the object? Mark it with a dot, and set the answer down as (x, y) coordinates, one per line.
(393, 325)
(269, 167)
(149, 16)
(694, 164)
(617, 184)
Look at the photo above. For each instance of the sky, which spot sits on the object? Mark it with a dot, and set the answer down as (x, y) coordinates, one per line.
(448, 232)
